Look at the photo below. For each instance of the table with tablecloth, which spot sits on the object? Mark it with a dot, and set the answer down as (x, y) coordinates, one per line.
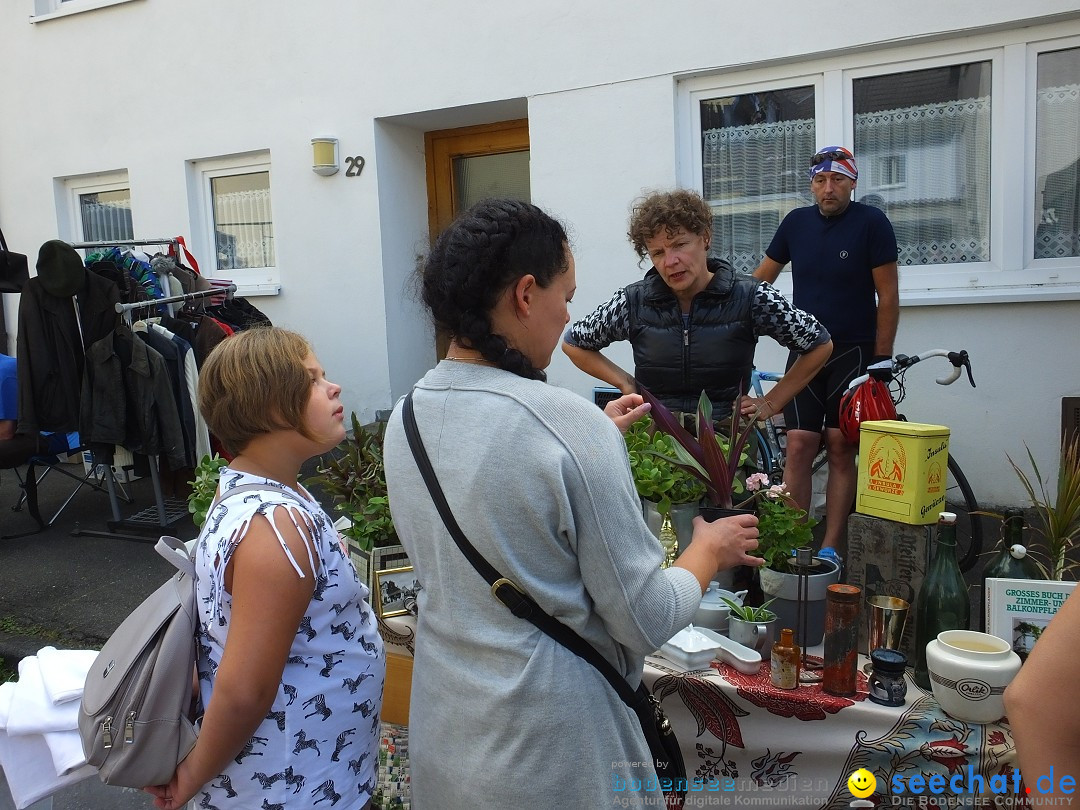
(751, 744)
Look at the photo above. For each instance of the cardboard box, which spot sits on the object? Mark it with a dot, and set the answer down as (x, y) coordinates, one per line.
(903, 471)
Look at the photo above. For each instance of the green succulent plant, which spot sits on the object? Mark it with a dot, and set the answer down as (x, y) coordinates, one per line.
(656, 478)
(204, 487)
(354, 479)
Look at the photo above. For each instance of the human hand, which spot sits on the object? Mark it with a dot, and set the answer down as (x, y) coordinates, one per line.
(176, 794)
(881, 368)
(756, 407)
(731, 539)
(626, 410)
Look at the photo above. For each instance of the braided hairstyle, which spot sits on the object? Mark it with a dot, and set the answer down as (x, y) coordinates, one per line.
(476, 259)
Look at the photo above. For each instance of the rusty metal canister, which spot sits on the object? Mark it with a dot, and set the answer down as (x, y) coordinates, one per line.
(842, 603)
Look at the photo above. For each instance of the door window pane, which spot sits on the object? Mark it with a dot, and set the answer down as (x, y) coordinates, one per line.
(755, 150)
(1057, 155)
(499, 175)
(243, 222)
(922, 143)
(106, 216)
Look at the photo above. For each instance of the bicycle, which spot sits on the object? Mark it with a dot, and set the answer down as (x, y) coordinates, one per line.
(959, 497)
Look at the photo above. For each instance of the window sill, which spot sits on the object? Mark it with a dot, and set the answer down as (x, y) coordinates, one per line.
(75, 7)
(252, 290)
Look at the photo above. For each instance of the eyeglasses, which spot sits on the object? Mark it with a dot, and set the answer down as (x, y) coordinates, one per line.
(835, 154)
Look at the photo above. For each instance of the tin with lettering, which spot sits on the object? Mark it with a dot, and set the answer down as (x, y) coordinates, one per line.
(903, 471)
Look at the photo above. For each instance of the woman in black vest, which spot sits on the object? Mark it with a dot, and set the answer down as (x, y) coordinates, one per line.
(694, 321)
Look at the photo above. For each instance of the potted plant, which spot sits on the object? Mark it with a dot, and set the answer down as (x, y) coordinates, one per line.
(665, 489)
(354, 480)
(1057, 520)
(204, 487)
(714, 460)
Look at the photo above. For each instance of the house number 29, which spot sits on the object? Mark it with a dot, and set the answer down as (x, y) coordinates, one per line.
(355, 164)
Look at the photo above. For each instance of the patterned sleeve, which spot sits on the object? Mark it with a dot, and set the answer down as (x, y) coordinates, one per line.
(607, 324)
(792, 328)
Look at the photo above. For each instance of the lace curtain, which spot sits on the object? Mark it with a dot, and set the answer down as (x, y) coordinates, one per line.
(1057, 185)
(928, 167)
(752, 176)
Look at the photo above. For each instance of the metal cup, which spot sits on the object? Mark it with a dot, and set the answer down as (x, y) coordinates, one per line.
(886, 617)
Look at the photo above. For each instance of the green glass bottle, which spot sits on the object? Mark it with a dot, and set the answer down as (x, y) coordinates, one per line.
(943, 602)
(1012, 560)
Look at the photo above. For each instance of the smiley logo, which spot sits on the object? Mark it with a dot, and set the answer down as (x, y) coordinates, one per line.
(861, 783)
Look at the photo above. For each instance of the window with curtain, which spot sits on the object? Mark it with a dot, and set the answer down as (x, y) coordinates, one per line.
(922, 143)
(106, 215)
(1057, 155)
(243, 221)
(755, 148)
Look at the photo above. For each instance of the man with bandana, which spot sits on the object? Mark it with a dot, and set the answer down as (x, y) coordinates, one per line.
(843, 271)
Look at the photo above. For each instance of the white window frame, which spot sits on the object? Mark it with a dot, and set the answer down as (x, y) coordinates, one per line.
(249, 280)
(45, 10)
(1012, 274)
(70, 206)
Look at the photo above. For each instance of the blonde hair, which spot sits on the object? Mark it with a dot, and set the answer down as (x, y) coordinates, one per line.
(668, 210)
(253, 383)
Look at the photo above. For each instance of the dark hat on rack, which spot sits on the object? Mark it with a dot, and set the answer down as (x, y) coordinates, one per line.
(60, 269)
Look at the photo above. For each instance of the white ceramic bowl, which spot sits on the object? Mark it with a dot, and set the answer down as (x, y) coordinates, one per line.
(969, 672)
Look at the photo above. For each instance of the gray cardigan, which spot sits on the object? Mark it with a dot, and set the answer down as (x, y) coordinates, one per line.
(538, 478)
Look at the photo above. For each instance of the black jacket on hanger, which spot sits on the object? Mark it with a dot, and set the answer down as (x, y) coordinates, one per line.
(50, 350)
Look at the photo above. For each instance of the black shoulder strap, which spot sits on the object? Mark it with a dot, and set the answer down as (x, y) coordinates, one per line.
(505, 590)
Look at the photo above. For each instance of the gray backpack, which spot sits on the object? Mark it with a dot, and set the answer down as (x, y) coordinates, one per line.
(135, 719)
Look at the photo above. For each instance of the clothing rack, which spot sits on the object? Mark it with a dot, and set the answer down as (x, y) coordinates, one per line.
(125, 309)
(164, 513)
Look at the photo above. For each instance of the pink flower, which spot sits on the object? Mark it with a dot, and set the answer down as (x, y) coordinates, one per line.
(756, 481)
(776, 491)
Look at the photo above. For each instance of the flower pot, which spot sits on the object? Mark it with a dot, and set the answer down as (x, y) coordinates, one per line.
(969, 672)
(783, 588)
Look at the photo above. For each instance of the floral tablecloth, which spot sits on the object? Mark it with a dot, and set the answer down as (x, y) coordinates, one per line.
(768, 747)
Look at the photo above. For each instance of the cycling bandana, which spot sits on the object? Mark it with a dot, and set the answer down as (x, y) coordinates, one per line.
(846, 167)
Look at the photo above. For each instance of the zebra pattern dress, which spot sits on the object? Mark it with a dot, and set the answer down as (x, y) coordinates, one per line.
(319, 745)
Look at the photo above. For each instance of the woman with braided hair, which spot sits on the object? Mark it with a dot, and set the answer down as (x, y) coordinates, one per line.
(537, 477)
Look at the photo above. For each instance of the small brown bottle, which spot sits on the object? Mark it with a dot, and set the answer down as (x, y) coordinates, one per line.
(785, 661)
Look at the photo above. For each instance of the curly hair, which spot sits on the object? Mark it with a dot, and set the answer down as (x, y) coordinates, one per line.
(667, 210)
(473, 262)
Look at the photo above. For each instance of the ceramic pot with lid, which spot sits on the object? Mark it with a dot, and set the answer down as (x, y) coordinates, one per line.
(712, 612)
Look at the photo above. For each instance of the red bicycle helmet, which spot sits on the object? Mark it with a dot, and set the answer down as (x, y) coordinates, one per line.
(865, 403)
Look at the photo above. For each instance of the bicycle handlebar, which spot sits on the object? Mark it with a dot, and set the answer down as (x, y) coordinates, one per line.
(902, 362)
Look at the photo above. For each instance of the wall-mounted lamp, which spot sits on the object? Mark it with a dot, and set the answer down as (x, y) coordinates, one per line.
(324, 153)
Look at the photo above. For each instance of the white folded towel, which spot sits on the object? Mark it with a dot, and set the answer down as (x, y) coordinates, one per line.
(64, 672)
(31, 710)
(27, 762)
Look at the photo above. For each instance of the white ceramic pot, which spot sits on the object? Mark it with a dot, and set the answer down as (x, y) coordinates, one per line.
(969, 672)
(712, 612)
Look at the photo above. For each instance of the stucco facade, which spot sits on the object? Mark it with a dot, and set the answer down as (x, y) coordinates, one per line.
(148, 90)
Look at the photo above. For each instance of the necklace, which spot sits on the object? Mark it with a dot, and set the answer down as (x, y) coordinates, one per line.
(480, 360)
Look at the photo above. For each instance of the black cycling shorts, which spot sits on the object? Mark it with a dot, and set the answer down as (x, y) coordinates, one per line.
(818, 405)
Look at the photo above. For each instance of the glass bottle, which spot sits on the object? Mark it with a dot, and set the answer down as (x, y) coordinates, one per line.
(943, 602)
(784, 664)
(841, 639)
(1012, 560)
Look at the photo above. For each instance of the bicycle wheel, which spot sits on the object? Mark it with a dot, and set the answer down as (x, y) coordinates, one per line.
(960, 499)
(762, 456)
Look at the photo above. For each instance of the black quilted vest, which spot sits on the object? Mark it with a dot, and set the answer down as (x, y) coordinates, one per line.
(716, 352)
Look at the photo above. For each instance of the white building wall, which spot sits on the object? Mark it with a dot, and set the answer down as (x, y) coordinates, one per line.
(149, 86)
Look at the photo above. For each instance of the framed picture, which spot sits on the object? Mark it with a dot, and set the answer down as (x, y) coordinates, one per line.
(392, 587)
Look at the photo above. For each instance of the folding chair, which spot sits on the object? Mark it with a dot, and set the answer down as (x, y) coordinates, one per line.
(43, 452)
